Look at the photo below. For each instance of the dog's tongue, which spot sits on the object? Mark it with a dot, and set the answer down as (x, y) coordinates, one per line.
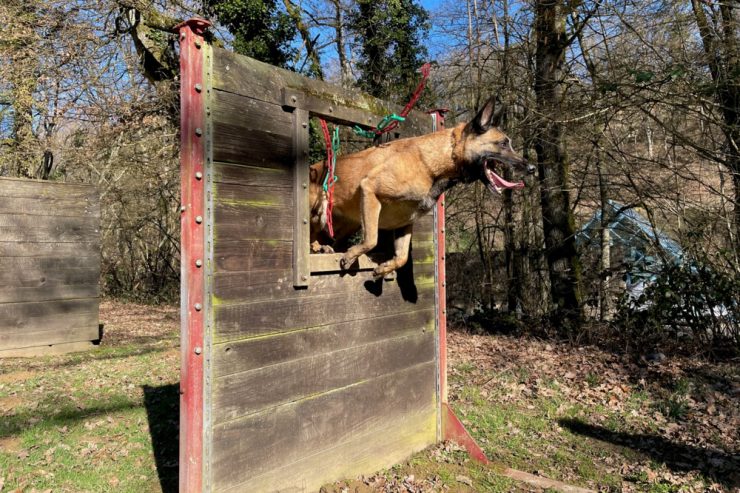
(496, 183)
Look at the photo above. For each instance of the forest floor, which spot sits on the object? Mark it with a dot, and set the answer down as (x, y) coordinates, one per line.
(107, 419)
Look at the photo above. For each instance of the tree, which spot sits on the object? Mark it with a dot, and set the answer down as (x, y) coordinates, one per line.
(389, 35)
(260, 29)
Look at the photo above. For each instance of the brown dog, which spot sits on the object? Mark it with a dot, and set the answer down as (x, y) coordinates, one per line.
(390, 186)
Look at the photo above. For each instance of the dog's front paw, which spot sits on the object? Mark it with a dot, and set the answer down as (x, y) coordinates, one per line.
(346, 261)
(386, 270)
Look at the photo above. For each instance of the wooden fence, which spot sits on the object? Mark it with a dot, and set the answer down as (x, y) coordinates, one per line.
(293, 373)
(49, 266)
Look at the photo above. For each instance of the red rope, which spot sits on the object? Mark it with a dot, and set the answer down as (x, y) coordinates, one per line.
(330, 177)
(425, 70)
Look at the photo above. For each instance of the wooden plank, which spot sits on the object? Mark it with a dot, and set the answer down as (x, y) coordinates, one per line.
(50, 349)
(30, 272)
(277, 175)
(48, 316)
(50, 206)
(87, 288)
(46, 228)
(255, 195)
(22, 187)
(231, 287)
(250, 136)
(77, 333)
(244, 393)
(251, 255)
(49, 249)
(362, 454)
(248, 447)
(252, 221)
(247, 77)
(282, 315)
(250, 354)
(302, 213)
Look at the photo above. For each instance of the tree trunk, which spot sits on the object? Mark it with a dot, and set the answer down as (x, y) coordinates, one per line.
(562, 257)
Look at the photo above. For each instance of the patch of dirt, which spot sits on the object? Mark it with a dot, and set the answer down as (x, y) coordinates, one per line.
(16, 376)
(125, 323)
(9, 404)
(10, 445)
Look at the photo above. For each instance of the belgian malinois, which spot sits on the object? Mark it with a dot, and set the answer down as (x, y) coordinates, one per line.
(390, 186)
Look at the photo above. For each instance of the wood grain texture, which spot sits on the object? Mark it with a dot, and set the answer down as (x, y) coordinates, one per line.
(362, 453)
(252, 176)
(247, 77)
(251, 354)
(49, 264)
(318, 423)
(281, 315)
(245, 393)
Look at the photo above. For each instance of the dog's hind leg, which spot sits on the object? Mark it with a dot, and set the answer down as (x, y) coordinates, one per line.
(370, 215)
(401, 253)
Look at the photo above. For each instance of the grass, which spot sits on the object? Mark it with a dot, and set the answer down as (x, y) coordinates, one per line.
(104, 420)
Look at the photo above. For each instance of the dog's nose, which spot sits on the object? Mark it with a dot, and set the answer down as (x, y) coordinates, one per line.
(531, 168)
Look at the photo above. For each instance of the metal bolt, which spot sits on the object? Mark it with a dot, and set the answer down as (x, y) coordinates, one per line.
(304, 124)
(198, 219)
(442, 231)
(331, 110)
(198, 87)
(198, 350)
(444, 312)
(198, 307)
(197, 44)
(444, 284)
(443, 204)
(304, 278)
(293, 98)
(305, 186)
(183, 208)
(198, 175)
(443, 257)
(182, 35)
(198, 131)
(305, 221)
(198, 263)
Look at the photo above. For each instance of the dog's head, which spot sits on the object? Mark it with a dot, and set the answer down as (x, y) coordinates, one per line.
(485, 151)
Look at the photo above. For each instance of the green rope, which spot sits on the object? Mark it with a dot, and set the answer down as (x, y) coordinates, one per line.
(370, 134)
(335, 151)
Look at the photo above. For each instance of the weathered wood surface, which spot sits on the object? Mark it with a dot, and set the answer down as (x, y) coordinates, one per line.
(247, 77)
(337, 377)
(307, 427)
(49, 264)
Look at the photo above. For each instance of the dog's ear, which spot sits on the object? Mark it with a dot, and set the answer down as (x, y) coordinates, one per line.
(491, 115)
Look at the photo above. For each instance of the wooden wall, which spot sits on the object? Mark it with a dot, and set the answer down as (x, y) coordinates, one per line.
(302, 386)
(49, 265)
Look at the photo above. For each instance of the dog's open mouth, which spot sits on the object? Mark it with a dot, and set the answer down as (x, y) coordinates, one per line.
(495, 182)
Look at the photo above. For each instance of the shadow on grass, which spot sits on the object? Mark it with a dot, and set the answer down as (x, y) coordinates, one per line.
(719, 466)
(26, 420)
(163, 412)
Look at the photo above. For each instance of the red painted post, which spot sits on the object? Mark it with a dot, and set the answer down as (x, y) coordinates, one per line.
(452, 427)
(192, 262)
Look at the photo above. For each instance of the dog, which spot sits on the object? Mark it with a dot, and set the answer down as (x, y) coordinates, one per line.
(390, 186)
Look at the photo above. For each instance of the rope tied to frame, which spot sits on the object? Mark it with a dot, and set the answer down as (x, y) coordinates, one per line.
(391, 121)
(332, 149)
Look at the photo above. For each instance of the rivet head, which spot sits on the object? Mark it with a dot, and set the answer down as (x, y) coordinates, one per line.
(198, 263)
(197, 44)
(305, 221)
(182, 35)
(304, 124)
(198, 87)
(442, 231)
(293, 98)
(198, 307)
(304, 278)
(305, 186)
(198, 219)
(198, 175)
(331, 110)
(183, 208)
(198, 350)
(198, 131)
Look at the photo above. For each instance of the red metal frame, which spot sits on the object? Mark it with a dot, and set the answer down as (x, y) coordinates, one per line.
(452, 427)
(192, 223)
